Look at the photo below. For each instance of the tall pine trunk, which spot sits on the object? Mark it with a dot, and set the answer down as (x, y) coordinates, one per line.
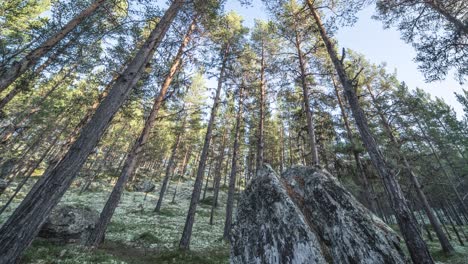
(443, 240)
(261, 121)
(187, 233)
(9, 75)
(232, 177)
(368, 188)
(23, 225)
(217, 176)
(409, 229)
(131, 161)
(305, 96)
(169, 166)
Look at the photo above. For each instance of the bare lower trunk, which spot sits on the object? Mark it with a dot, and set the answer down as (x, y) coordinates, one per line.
(444, 242)
(187, 233)
(416, 245)
(217, 177)
(31, 170)
(169, 166)
(305, 96)
(19, 230)
(131, 161)
(261, 121)
(8, 76)
(232, 177)
(368, 188)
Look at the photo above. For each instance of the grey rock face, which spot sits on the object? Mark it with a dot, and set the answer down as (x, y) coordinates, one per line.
(270, 228)
(310, 208)
(69, 224)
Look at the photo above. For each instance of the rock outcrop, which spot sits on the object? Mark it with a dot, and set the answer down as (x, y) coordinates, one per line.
(69, 224)
(306, 216)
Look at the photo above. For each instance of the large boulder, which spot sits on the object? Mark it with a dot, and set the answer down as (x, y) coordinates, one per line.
(69, 224)
(307, 216)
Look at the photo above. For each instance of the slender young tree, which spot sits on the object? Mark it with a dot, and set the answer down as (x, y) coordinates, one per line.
(227, 35)
(233, 174)
(169, 165)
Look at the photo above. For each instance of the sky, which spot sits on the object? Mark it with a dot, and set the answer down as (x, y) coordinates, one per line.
(378, 45)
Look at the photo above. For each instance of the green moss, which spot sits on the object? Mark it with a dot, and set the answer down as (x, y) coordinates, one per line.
(189, 257)
(42, 251)
(146, 237)
(169, 212)
(207, 201)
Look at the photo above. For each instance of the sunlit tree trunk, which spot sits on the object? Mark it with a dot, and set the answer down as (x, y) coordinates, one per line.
(9, 75)
(187, 233)
(131, 161)
(20, 229)
(233, 174)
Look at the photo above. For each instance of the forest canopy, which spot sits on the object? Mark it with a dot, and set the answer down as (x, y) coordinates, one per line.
(181, 100)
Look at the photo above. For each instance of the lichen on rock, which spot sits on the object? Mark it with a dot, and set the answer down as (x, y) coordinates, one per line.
(307, 216)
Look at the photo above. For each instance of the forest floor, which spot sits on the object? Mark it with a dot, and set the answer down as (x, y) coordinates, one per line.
(138, 235)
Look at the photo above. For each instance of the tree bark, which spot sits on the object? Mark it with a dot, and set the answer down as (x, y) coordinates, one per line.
(169, 166)
(31, 170)
(439, 8)
(232, 177)
(416, 245)
(131, 161)
(19, 230)
(20, 86)
(443, 240)
(261, 121)
(217, 177)
(305, 96)
(187, 233)
(368, 188)
(9, 75)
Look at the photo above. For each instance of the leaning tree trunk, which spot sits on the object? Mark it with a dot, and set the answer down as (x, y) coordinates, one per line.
(8, 76)
(305, 96)
(217, 177)
(232, 177)
(169, 166)
(368, 188)
(437, 6)
(187, 233)
(20, 229)
(29, 172)
(261, 121)
(25, 116)
(29, 78)
(443, 240)
(131, 161)
(409, 229)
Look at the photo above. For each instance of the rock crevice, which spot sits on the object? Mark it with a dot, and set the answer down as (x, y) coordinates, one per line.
(307, 216)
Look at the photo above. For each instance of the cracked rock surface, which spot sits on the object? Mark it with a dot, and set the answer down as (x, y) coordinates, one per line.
(307, 216)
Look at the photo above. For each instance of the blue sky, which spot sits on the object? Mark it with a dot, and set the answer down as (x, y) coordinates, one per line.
(368, 37)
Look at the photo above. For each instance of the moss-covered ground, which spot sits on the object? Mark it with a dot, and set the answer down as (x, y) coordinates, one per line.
(139, 235)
